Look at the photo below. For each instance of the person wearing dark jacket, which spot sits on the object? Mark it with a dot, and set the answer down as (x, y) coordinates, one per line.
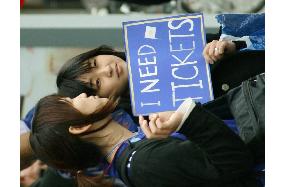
(75, 134)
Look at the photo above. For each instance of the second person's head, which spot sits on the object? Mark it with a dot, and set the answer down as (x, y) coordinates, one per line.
(101, 71)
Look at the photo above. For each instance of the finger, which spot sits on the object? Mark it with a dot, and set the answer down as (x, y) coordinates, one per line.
(217, 54)
(145, 128)
(162, 128)
(177, 116)
(154, 129)
(141, 119)
(206, 49)
(212, 47)
(151, 131)
(222, 47)
(163, 125)
(217, 49)
(44, 166)
(157, 132)
(212, 57)
(208, 59)
(212, 52)
(153, 116)
(206, 53)
(160, 124)
(164, 116)
(174, 121)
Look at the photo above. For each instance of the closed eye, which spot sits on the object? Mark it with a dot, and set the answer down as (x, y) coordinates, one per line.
(95, 63)
(98, 83)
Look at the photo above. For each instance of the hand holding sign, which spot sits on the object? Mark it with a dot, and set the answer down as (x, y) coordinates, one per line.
(216, 50)
(158, 128)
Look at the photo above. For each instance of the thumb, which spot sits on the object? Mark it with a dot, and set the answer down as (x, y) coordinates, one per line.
(174, 120)
(176, 116)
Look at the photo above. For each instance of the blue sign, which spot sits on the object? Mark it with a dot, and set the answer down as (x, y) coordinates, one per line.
(165, 62)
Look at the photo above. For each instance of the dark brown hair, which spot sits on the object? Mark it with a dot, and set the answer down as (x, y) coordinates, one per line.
(53, 144)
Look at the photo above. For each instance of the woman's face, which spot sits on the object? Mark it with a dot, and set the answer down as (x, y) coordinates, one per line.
(87, 105)
(109, 75)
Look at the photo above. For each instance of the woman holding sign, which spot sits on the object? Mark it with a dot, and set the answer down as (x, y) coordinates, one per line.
(75, 134)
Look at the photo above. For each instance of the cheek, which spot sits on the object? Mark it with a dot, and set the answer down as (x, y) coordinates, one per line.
(84, 109)
(106, 91)
(112, 87)
(89, 108)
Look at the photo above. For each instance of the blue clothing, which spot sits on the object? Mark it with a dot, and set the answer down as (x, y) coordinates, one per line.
(232, 125)
(241, 24)
(29, 117)
(248, 27)
(110, 169)
(125, 120)
(120, 116)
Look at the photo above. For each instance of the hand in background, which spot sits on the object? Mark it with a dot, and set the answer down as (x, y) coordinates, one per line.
(216, 50)
(32, 173)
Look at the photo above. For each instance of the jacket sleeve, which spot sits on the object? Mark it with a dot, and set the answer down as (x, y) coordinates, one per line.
(225, 150)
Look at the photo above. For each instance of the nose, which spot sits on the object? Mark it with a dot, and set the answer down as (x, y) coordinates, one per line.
(106, 71)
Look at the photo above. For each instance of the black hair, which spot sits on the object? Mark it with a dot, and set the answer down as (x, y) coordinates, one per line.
(68, 82)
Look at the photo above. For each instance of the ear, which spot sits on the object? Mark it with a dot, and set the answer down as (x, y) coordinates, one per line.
(79, 129)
